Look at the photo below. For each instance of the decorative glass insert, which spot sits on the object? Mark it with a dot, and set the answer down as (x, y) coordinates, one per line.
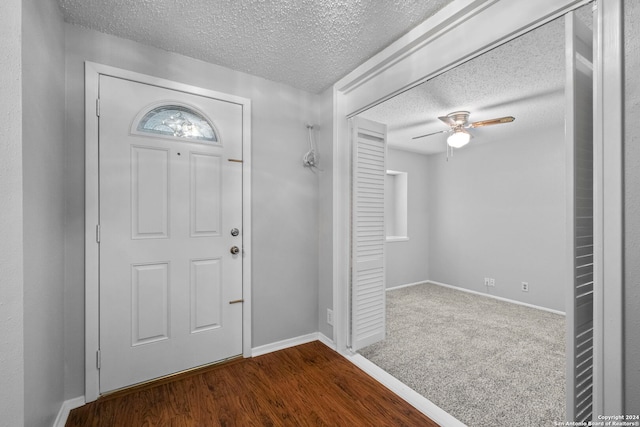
(178, 122)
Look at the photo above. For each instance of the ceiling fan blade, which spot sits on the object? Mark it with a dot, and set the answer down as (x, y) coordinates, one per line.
(429, 134)
(490, 122)
(447, 120)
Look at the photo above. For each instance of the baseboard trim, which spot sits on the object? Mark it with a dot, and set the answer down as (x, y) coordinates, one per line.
(327, 341)
(393, 288)
(66, 407)
(281, 345)
(457, 288)
(405, 392)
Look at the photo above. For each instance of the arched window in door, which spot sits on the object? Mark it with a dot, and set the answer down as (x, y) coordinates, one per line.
(176, 121)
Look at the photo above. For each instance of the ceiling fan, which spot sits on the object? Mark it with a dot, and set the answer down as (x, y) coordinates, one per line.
(458, 123)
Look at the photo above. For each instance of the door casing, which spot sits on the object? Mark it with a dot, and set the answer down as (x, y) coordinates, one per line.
(92, 73)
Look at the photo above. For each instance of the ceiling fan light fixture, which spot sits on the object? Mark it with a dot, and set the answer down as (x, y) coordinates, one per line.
(459, 138)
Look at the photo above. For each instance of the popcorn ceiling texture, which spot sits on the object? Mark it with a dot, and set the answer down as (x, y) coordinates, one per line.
(307, 44)
(523, 78)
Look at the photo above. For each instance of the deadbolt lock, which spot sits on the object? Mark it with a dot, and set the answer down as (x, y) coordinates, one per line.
(235, 250)
(235, 232)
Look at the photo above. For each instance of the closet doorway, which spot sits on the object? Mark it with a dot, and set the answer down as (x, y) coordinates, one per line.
(357, 98)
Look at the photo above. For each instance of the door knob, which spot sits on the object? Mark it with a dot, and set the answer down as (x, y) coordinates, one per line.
(235, 250)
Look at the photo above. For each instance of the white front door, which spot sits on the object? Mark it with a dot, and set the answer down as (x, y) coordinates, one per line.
(170, 199)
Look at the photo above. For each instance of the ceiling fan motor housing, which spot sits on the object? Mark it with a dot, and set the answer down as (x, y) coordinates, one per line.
(459, 118)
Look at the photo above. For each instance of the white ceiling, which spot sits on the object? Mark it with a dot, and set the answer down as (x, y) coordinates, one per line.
(523, 78)
(311, 44)
(307, 44)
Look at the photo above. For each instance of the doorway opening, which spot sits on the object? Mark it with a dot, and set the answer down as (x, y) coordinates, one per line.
(524, 285)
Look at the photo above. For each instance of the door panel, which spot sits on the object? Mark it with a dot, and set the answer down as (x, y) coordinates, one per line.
(149, 303)
(149, 192)
(206, 294)
(205, 195)
(167, 205)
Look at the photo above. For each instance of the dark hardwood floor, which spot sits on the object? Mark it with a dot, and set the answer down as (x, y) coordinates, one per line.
(307, 385)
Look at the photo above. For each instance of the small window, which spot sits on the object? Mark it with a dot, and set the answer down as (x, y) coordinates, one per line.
(396, 206)
(177, 121)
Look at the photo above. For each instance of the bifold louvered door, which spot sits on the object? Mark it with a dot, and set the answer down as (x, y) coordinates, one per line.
(368, 233)
(579, 131)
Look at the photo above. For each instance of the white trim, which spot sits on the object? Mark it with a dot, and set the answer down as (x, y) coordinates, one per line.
(247, 230)
(292, 342)
(66, 407)
(434, 47)
(281, 345)
(412, 397)
(91, 256)
(537, 307)
(326, 341)
(608, 375)
(406, 285)
(92, 73)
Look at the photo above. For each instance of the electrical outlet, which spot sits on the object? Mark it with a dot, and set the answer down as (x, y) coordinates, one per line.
(330, 316)
(486, 281)
(525, 286)
(492, 281)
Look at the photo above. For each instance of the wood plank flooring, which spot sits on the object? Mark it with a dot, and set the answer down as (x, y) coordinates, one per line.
(307, 385)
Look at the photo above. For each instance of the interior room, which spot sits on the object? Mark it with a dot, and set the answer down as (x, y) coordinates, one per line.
(280, 67)
(487, 218)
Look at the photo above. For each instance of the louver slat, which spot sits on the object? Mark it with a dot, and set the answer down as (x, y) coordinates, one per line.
(579, 127)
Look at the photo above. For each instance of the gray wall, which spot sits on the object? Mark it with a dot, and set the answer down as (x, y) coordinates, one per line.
(498, 210)
(325, 206)
(408, 261)
(632, 204)
(298, 283)
(11, 222)
(284, 193)
(43, 192)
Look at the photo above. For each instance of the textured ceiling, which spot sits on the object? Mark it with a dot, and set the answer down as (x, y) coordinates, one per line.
(308, 44)
(523, 78)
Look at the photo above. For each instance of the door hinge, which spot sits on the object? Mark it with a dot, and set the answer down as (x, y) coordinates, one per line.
(97, 233)
(98, 359)
(98, 107)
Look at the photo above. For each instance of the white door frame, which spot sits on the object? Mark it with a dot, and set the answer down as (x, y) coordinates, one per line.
(92, 324)
(434, 47)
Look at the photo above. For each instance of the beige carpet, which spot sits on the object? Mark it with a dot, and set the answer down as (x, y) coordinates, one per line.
(486, 362)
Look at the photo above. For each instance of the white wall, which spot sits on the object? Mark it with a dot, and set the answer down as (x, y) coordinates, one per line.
(285, 194)
(43, 173)
(632, 205)
(325, 206)
(11, 255)
(408, 261)
(498, 210)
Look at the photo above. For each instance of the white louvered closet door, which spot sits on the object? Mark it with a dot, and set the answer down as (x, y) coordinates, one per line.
(579, 306)
(368, 233)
